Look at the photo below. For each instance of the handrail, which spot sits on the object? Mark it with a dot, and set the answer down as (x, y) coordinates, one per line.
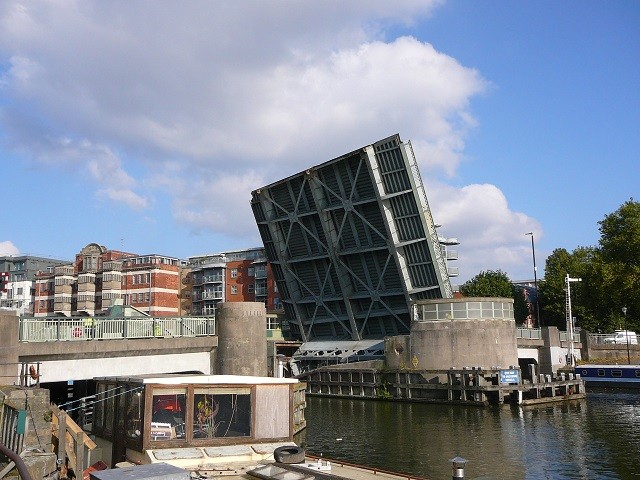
(49, 329)
(71, 439)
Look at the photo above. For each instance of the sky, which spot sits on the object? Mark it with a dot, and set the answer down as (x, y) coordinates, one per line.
(144, 126)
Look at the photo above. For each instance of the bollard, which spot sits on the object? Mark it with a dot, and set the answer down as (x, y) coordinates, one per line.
(457, 468)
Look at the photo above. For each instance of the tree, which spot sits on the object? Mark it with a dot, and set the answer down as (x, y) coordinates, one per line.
(490, 283)
(496, 283)
(552, 289)
(610, 276)
(617, 266)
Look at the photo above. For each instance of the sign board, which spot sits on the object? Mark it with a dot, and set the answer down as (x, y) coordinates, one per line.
(509, 376)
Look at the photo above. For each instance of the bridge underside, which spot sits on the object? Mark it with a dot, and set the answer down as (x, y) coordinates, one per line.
(352, 243)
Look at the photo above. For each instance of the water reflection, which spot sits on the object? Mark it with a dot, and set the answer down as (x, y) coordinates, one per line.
(594, 438)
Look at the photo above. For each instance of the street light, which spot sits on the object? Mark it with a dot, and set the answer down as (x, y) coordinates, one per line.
(568, 281)
(626, 334)
(535, 278)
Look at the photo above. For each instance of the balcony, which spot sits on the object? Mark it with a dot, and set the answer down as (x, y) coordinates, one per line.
(212, 295)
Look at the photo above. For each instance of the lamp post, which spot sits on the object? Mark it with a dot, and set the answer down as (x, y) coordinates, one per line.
(626, 334)
(535, 278)
(568, 281)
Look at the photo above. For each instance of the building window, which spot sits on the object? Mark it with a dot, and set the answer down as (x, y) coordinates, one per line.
(251, 271)
(250, 288)
(234, 290)
(234, 273)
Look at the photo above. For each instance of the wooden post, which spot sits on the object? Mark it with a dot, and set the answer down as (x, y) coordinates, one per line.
(62, 430)
(79, 453)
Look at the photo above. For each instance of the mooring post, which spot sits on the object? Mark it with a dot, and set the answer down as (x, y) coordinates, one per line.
(457, 467)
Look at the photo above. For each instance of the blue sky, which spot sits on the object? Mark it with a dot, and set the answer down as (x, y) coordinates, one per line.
(145, 128)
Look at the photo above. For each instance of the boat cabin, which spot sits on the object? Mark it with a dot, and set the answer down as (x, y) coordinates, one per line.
(610, 375)
(135, 414)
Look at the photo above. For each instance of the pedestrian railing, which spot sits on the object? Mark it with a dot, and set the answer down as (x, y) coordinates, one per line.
(564, 337)
(82, 328)
(529, 333)
(609, 339)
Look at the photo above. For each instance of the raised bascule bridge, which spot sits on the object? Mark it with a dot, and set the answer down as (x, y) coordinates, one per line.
(353, 245)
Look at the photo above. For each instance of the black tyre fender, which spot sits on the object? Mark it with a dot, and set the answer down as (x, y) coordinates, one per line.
(289, 454)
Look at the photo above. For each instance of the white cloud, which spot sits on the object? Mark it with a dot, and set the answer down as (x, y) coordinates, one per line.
(205, 101)
(491, 235)
(8, 249)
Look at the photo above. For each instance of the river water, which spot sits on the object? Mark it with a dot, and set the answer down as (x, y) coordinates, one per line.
(594, 438)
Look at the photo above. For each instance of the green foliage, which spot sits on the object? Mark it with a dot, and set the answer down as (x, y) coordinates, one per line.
(490, 283)
(520, 306)
(383, 392)
(610, 276)
(496, 283)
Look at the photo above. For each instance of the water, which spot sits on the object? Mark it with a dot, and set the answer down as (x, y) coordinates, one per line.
(595, 438)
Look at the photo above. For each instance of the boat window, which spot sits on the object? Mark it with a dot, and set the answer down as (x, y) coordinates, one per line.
(637, 373)
(616, 373)
(98, 409)
(222, 412)
(134, 404)
(584, 373)
(601, 372)
(168, 410)
(109, 409)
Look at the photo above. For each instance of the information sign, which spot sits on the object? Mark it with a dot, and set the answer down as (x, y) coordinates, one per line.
(510, 376)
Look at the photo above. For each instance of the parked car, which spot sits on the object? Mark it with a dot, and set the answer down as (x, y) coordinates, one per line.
(621, 336)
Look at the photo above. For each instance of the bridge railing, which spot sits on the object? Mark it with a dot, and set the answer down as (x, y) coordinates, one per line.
(564, 337)
(80, 328)
(529, 333)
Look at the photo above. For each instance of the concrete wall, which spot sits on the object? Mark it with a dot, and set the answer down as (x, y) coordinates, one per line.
(608, 352)
(242, 338)
(9, 369)
(463, 343)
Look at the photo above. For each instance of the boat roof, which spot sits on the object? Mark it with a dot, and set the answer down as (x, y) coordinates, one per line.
(596, 365)
(177, 379)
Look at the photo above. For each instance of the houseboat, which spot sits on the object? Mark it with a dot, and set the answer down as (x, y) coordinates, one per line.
(202, 426)
(141, 419)
(617, 376)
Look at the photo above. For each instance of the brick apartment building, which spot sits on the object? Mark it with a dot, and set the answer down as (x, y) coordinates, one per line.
(101, 278)
(233, 276)
(157, 285)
